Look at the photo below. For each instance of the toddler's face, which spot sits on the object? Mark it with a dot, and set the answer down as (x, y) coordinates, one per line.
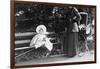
(41, 31)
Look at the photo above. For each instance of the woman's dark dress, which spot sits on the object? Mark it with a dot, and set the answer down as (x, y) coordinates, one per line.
(71, 38)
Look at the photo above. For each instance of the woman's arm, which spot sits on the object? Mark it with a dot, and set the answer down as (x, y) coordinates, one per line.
(77, 16)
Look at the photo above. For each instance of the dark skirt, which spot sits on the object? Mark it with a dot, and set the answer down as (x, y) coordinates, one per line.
(70, 44)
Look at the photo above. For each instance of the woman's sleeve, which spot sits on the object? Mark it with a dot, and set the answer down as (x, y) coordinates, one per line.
(77, 15)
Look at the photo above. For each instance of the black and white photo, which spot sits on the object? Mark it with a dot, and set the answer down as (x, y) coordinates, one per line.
(47, 33)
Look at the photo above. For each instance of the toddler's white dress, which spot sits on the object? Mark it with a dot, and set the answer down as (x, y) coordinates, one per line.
(40, 40)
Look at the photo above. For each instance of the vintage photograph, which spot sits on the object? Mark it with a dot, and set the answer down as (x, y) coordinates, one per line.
(47, 33)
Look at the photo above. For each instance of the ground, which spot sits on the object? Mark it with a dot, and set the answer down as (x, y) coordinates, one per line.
(88, 56)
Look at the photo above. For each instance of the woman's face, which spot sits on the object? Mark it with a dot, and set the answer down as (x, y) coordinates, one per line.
(41, 31)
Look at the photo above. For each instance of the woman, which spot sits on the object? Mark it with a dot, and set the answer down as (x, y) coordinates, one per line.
(71, 35)
(41, 41)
